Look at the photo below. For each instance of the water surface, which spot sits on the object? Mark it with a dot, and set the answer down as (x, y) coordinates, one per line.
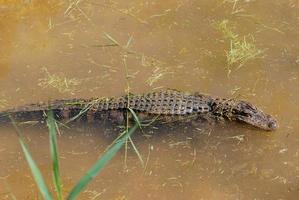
(59, 49)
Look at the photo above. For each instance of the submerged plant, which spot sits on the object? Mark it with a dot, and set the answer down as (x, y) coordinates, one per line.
(62, 84)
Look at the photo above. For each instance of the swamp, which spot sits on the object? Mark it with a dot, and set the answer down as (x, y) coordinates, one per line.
(70, 49)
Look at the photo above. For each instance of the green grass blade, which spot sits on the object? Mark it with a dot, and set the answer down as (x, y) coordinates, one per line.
(54, 153)
(37, 175)
(100, 164)
(84, 110)
(137, 120)
(136, 151)
(135, 117)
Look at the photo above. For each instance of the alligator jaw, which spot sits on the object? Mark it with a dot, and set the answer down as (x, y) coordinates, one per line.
(250, 114)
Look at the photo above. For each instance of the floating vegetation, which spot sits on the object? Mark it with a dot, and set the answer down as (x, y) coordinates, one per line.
(242, 49)
(226, 30)
(62, 84)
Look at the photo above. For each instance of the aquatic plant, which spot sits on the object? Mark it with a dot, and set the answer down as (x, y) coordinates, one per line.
(112, 150)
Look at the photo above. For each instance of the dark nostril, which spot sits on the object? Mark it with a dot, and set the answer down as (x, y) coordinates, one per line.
(272, 125)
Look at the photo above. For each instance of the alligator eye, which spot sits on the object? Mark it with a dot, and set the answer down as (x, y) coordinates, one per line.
(245, 114)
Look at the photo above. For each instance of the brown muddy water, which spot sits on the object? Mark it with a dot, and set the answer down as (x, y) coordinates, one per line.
(231, 48)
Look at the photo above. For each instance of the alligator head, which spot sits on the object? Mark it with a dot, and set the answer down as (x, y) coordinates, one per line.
(248, 113)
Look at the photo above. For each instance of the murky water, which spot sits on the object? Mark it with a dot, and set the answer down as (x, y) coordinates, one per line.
(67, 49)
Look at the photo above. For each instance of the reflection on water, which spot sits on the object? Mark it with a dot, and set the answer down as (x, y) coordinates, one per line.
(61, 49)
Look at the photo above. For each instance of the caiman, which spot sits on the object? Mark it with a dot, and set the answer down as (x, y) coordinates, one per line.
(165, 104)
